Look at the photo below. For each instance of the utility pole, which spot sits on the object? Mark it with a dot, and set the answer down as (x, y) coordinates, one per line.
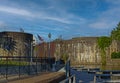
(49, 56)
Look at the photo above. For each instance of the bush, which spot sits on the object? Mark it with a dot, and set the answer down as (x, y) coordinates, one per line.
(115, 55)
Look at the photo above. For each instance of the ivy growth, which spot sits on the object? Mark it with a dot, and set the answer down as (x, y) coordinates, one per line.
(103, 43)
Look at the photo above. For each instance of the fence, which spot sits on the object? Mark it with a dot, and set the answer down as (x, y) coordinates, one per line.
(107, 76)
(23, 65)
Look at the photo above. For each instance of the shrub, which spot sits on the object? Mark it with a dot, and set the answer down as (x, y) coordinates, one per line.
(115, 55)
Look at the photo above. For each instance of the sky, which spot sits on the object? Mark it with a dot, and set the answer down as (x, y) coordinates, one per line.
(69, 18)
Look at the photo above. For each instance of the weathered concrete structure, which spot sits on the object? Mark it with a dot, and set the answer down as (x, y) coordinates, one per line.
(80, 50)
(44, 50)
(15, 44)
(114, 47)
(84, 50)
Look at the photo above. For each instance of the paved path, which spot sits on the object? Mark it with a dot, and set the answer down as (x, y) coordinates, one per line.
(44, 78)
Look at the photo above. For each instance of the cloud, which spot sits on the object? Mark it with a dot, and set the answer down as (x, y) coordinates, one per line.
(38, 15)
(62, 20)
(66, 17)
(16, 11)
(59, 15)
(107, 19)
(22, 12)
(100, 25)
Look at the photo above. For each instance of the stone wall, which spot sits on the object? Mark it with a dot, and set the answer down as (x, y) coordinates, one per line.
(84, 50)
(114, 47)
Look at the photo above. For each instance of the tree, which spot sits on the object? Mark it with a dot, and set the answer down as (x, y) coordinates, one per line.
(115, 33)
(103, 43)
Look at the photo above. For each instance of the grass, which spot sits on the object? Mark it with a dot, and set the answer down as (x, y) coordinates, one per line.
(13, 63)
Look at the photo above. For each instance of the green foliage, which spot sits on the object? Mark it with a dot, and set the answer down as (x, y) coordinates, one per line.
(103, 57)
(115, 55)
(115, 33)
(103, 42)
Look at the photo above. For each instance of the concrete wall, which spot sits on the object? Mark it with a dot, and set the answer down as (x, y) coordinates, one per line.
(84, 50)
(23, 43)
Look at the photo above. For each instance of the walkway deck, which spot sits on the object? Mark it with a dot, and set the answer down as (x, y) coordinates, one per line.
(51, 77)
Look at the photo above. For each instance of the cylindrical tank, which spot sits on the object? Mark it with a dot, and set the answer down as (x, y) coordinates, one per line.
(15, 44)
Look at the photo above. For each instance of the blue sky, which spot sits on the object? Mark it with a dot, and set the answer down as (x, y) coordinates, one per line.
(69, 18)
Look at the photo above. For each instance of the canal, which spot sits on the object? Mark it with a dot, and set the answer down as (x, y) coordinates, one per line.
(83, 76)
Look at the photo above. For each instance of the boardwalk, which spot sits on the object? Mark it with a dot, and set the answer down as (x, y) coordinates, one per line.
(51, 77)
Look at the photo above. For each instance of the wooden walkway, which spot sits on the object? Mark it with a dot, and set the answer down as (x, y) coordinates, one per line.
(51, 77)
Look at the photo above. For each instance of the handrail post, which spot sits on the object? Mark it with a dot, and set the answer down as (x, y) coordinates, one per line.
(7, 68)
(95, 79)
(70, 81)
(74, 79)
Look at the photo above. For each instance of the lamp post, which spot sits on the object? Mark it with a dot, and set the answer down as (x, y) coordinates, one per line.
(31, 50)
(49, 56)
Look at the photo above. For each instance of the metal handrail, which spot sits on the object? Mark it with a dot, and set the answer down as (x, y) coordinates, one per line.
(71, 79)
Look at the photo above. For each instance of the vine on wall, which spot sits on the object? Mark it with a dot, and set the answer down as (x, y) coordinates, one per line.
(104, 42)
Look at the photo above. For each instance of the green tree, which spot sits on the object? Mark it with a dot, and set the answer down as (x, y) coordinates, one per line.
(103, 43)
(115, 33)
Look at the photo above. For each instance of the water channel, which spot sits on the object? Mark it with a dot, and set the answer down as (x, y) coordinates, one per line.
(83, 76)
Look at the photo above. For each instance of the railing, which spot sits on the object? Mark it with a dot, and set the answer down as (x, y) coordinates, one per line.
(107, 76)
(20, 66)
(71, 79)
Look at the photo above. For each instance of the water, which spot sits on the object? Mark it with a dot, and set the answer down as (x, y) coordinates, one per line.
(101, 67)
(82, 76)
(85, 77)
